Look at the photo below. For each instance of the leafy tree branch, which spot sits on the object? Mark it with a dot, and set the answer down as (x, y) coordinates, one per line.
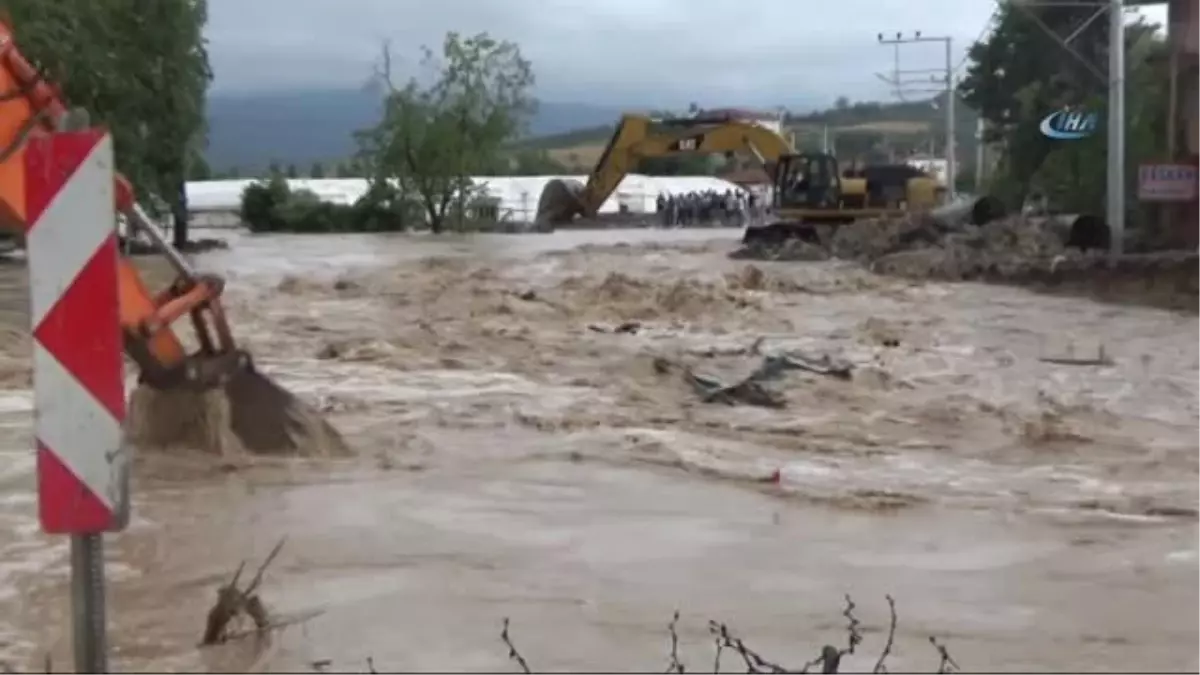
(434, 135)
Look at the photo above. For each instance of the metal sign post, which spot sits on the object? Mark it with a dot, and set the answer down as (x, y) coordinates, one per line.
(88, 616)
(79, 383)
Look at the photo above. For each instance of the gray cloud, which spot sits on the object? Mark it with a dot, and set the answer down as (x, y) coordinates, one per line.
(716, 52)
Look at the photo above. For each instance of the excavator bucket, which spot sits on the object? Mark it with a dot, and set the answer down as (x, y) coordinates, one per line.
(560, 201)
(213, 400)
(239, 411)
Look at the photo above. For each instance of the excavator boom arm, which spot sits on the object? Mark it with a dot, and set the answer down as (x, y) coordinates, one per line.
(638, 137)
(31, 106)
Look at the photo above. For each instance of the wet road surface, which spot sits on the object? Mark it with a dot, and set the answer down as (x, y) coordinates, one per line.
(518, 458)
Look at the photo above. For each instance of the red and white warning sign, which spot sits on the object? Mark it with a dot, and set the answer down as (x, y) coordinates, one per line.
(79, 388)
(1167, 183)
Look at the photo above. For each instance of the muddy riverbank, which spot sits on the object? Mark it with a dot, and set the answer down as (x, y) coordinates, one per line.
(517, 457)
(1028, 253)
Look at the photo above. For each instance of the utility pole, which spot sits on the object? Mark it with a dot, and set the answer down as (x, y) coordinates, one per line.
(902, 87)
(1116, 126)
(980, 154)
(1114, 81)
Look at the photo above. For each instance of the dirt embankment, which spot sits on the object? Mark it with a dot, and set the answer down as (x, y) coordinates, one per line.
(1019, 251)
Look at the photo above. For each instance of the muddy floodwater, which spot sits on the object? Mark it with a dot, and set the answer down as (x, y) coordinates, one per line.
(520, 455)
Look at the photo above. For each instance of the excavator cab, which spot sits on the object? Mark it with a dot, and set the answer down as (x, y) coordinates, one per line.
(812, 189)
(808, 181)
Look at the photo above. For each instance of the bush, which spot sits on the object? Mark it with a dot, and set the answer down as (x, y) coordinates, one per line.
(260, 202)
(384, 209)
(273, 206)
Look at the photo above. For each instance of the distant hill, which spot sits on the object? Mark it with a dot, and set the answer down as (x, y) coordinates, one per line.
(867, 129)
(249, 131)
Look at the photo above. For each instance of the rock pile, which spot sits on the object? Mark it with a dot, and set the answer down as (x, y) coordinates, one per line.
(921, 246)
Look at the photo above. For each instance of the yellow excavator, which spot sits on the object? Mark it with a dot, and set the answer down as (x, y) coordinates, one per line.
(808, 188)
(638, 137)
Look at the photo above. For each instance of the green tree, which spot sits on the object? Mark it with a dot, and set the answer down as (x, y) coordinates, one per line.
(141, 70)
(433, 137)
(317, 170)
(1020, 74)
(174, 39)
(292, 171)
(199, 169)
(261, 203)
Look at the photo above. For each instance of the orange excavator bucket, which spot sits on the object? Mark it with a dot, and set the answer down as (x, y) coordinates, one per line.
(211, 398)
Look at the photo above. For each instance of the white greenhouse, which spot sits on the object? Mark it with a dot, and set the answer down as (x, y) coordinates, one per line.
(516, 197)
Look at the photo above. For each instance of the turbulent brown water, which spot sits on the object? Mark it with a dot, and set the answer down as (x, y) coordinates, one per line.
(518, 457)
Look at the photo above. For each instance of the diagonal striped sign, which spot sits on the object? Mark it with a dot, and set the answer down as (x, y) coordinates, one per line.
(79, 395)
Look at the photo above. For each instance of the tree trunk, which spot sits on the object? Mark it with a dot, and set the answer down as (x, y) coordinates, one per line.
(437, 221)
(179, 213)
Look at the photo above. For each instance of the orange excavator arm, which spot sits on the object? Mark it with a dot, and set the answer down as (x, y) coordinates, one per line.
(30, 106)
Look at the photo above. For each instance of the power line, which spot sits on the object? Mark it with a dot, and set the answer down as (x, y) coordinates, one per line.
(1114, 81)
(901, 86)
(987, 25)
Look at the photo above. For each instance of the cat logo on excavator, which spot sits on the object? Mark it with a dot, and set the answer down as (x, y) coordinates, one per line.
(687, 144)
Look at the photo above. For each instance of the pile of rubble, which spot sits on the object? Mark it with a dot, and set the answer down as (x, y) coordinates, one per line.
(1029, 251)
(919, 246)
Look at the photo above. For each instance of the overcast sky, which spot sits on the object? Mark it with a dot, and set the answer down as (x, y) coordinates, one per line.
(624, 52)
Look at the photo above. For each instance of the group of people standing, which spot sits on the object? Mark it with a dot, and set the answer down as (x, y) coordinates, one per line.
(709, 208)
